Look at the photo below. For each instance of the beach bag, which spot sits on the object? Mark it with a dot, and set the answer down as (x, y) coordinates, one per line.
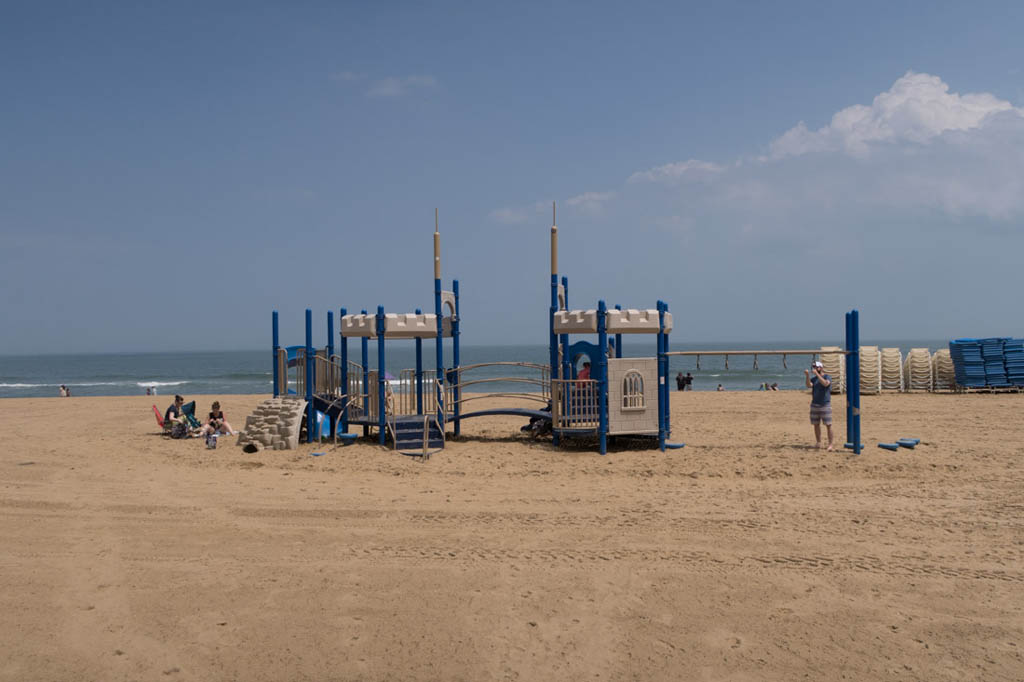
(179, 430)
(211, 441)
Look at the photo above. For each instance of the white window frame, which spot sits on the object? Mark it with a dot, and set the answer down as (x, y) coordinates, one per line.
(633, 399)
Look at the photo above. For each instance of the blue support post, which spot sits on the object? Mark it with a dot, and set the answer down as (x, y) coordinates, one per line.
(855, 395)
(365, 347)
(663, 393)
(276, 345)
(344, 373)
(564, 338)
(330, 334)
(332, 418)
(849, 383)
(310, 412)
(553, 339)
(457, 392)
(382, 382)
(419, 371)
(602, 384)
(439, 350)
(618, 339)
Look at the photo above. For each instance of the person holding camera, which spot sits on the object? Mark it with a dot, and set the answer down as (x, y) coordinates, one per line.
(821, 401)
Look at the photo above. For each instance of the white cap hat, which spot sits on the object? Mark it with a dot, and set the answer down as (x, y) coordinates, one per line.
(817, 363)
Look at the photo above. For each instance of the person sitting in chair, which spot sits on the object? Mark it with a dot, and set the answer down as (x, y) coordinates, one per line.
(173, 413)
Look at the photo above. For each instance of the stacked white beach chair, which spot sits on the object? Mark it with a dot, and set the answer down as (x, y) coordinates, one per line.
(870, 369)
(917, 370)
(833, 358)
(943, 373)
(892, 369)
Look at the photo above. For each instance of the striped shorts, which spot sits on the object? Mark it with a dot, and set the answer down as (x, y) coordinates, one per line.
(821, 413)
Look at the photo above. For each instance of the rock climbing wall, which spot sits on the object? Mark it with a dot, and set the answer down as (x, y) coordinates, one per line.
(274, 425)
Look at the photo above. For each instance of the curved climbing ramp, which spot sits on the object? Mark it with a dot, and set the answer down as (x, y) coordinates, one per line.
(274, 425)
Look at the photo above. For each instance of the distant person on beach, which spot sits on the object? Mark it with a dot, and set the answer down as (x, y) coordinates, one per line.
(821, 401)
(720, 387)
(217, 422)
(67, 391)
(149, 390)
(680, 382)
(689, 381)
(775, 386)
(63, 391)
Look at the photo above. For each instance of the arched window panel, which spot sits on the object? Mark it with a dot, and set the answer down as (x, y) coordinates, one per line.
(633, 391)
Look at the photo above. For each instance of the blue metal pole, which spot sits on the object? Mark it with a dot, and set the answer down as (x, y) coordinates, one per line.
(332, 419)
(276, 345)
(553, 339)
(439, 350)
(310, 412)
(330, 334)
(381, 380)
(365, 347)
(849, 382)
(662, 378)
(456, 332)
(602, 366)
(344, 372)
(419, 371)
(564, 338)
(618, 338)
(855, 323)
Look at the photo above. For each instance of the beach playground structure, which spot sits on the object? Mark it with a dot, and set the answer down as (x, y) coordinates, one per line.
(621, 396)
(414, 410)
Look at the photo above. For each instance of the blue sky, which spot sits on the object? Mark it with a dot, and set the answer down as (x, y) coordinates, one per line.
(172, 172)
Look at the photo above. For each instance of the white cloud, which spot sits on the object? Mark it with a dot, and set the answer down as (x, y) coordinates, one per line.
(509, 216)
(347, 76)
(916, 153)
(591, 202)
(520, 214)
(680, 171)
(916, 109)
(395, 86)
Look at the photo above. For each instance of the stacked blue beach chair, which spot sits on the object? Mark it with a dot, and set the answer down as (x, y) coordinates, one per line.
(968, 364)
(988, 363)
(995, 365)
(1013, 353)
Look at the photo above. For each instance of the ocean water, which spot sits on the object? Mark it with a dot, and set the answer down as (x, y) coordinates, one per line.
(234, 372)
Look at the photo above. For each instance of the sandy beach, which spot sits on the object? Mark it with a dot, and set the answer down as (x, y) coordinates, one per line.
(748, 555)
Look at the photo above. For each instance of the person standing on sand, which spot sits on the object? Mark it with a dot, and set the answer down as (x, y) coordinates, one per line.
(680, 382)
(821, 401)
(689, 381)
